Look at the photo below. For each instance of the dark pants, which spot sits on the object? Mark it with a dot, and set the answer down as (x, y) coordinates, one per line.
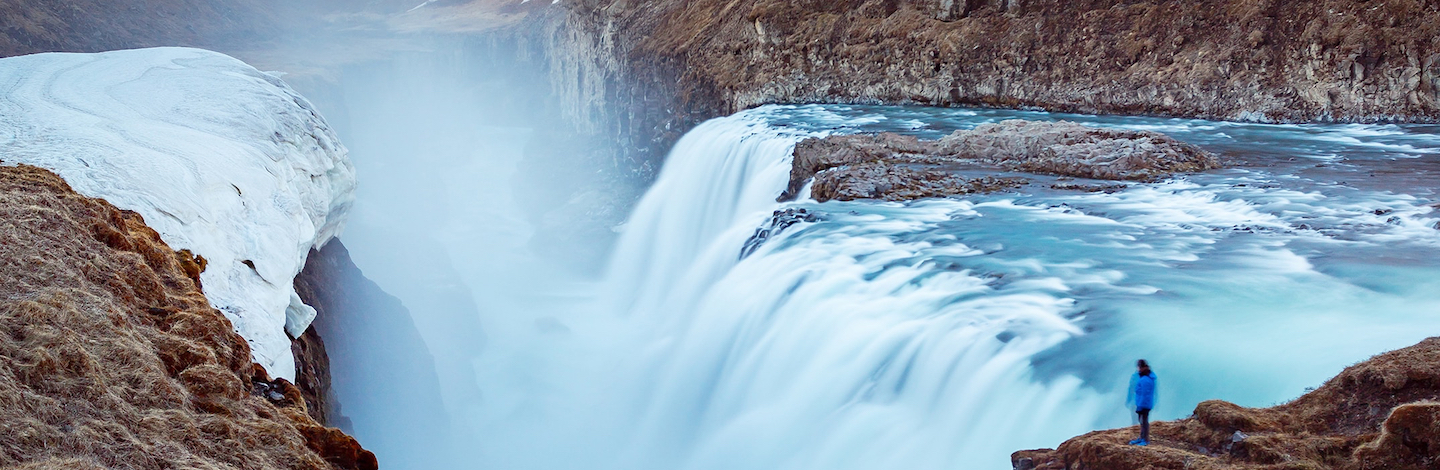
(1144, 423)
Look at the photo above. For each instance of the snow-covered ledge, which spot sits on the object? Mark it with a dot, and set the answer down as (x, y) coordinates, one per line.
(220, 158)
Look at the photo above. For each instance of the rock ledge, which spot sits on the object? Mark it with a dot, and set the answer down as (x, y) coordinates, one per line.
(1380, 414)
(894, 167)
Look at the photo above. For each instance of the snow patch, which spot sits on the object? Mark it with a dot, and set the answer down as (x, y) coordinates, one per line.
(220, 158)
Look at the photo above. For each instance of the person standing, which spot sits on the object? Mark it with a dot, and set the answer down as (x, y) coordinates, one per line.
(1142, 398)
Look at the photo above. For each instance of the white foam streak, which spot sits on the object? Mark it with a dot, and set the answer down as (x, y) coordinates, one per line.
(834, 350)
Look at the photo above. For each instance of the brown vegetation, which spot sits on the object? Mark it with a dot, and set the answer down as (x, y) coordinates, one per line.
(1379, 414)
(1284, 60)
(111, 357)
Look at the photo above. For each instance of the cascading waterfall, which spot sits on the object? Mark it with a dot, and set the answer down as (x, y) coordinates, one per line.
(828, 352)
(948, 333)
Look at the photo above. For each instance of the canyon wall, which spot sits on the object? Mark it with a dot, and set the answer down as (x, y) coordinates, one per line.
(612, 84)
(679, 62)
(623, 79)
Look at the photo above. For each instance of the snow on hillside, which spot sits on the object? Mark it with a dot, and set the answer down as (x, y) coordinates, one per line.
(220, 158)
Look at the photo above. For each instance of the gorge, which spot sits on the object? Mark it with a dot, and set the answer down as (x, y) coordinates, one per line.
(560, 205)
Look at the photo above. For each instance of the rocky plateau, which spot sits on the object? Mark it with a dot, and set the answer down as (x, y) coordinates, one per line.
(893, 167)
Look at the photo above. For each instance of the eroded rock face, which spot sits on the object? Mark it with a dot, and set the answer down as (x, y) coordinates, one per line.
(113, 358)
(897, 168)
(1379, 414)
(1284, 60)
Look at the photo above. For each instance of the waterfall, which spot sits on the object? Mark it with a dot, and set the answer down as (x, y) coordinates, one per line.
(844, 351)
(943, 333)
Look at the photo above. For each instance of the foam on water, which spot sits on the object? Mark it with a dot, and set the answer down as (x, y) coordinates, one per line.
(948, 333)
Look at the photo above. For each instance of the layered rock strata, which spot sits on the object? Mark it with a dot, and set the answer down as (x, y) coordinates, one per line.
(893, 167)
(112, 357)
(1383, 413)
(1277, 60)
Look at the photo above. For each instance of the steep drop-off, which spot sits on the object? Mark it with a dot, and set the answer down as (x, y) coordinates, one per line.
(1380, 414)
(395, 385)
(113, 358)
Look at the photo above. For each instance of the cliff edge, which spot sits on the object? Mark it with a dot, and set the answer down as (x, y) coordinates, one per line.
(221, 159)
(1383, 413)
(112, 357)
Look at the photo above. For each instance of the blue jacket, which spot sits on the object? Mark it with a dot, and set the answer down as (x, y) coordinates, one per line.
(1142, 391)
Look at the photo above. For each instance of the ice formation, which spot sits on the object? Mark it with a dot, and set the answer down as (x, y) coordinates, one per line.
(220, 158)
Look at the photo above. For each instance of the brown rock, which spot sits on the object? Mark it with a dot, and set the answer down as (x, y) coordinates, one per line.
(898, 182)
(113, 358)
(312, 374)
(1381, 413)
(892, 167)
(1070, 149)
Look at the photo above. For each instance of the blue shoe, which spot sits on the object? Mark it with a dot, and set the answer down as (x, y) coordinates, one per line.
(1143, 442)
(1135, 442)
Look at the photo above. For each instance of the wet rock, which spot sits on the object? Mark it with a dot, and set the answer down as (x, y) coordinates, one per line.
(815, 155)
(889, 182)
(779, 221)
(1070, 149)
(1089, 188)
(893, 167)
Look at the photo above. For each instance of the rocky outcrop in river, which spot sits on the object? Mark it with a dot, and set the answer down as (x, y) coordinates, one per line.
(114, 358)
(896, 168)
(1378, 414)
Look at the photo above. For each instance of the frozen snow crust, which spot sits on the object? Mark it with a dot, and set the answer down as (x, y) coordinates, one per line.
(220, 158)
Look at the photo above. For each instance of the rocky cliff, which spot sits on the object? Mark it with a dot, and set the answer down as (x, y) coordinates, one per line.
(630, 77)
(640, 73)
(613, 83)
(1378, 414)
(1229, 59)
(112, 356)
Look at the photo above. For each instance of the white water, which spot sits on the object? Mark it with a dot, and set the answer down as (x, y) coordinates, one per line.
(949, 333)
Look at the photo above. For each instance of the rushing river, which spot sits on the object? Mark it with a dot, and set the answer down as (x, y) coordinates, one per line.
(947, 333)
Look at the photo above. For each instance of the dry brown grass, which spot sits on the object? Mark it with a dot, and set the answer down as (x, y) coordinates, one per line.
(111, 357)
